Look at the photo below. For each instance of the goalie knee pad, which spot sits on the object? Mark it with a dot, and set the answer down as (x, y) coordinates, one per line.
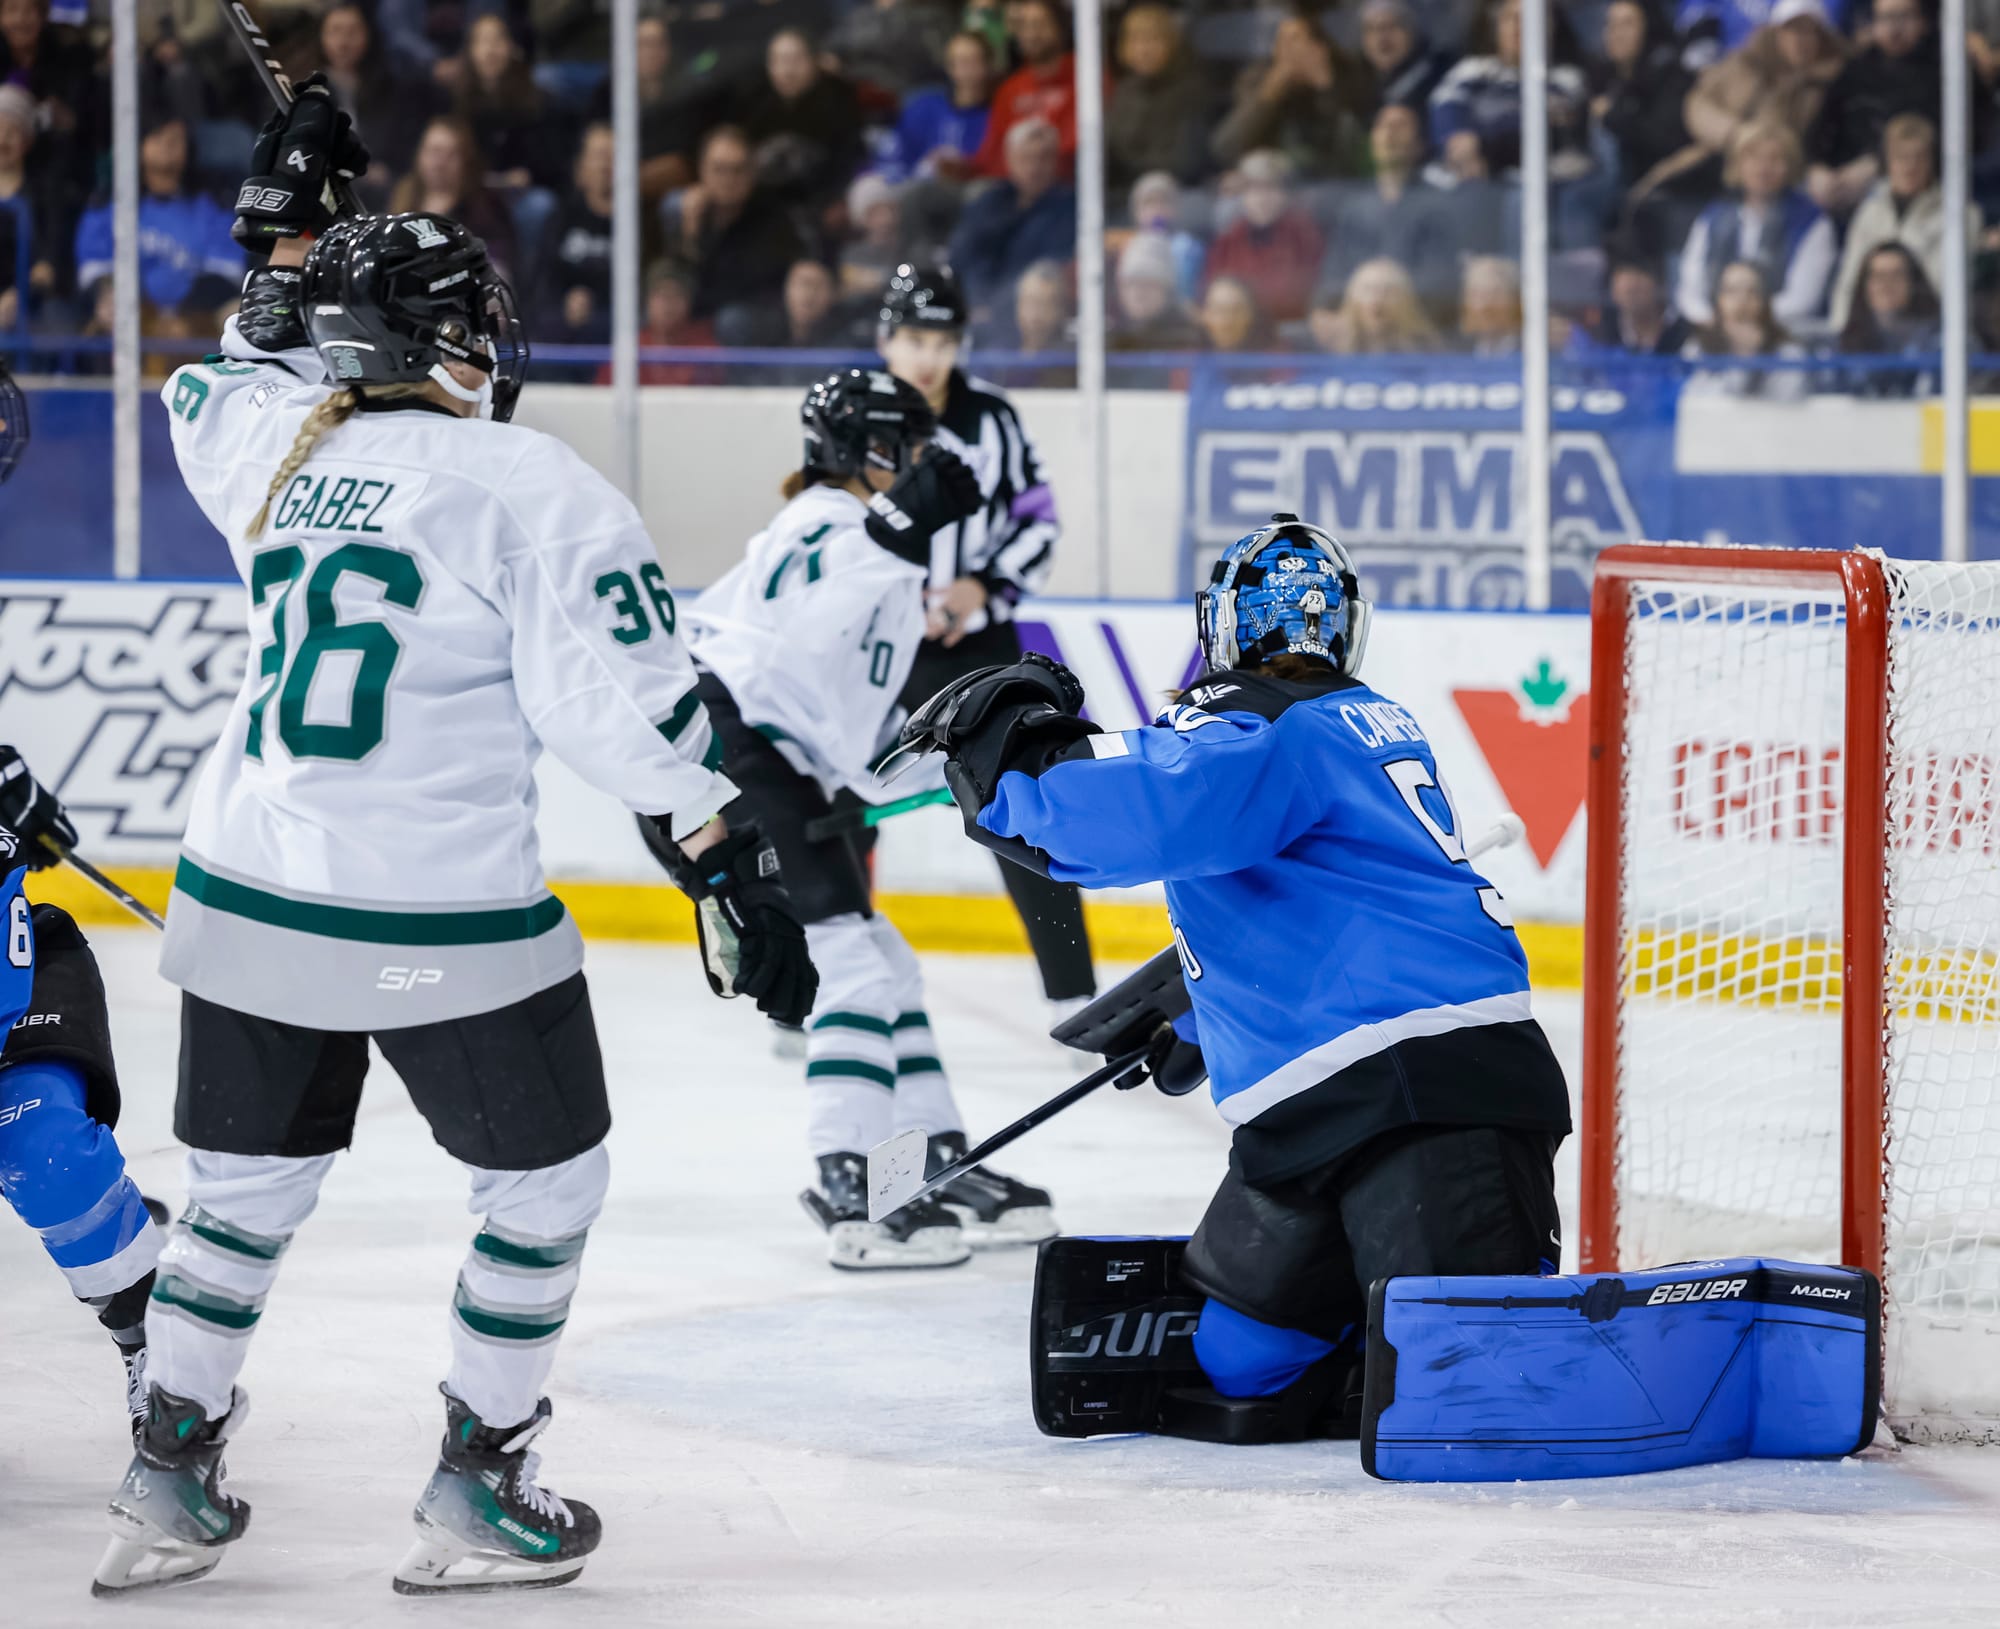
(1246, 1357)
(67, 1020)
(61, 1170)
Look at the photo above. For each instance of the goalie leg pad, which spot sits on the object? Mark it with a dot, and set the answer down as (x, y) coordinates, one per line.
(1498, 1379)
(1113, 1350)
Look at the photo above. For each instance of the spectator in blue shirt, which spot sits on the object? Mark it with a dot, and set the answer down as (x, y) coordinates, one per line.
(1030, 216)
(940, 129)
(189, 267)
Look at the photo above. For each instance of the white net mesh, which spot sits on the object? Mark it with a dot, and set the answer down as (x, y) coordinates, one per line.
(1729, 1033)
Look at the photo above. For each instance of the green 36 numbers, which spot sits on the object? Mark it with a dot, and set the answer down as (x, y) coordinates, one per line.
(273, 575)
(633, 626)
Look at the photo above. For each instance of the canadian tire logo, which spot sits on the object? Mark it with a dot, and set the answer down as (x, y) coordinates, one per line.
(1536, 738)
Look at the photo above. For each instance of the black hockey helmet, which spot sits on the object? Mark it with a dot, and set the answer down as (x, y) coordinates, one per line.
(863, 418)
(923, 297)
(13, 422)
(388, 299)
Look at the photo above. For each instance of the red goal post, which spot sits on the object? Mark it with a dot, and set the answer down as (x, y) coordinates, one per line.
(1859, 580)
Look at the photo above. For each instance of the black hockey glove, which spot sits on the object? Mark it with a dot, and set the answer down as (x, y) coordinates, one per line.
(935, 492)
(297, 151)
(33, 813)
(751, 944)
(1023, 716)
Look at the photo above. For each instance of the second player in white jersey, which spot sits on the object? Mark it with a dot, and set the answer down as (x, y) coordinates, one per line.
(805, 645)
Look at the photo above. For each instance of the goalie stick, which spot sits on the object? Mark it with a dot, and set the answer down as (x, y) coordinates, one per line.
(340, 195)
(896, 1167)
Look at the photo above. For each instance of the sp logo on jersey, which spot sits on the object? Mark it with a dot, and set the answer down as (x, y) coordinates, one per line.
(408, 978)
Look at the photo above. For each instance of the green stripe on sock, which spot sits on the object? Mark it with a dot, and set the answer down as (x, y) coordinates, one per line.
(524, 1324)
(914, 1020)
(238, 1241)
(853, 1020)
(920, 1065)
(850, 1069)
(555, 1253)
(173, 1291)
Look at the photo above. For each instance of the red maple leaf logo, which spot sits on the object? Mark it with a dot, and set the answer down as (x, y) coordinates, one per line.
(1539, 755)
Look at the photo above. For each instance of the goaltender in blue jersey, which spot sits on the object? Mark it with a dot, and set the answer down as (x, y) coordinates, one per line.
(1359, 996)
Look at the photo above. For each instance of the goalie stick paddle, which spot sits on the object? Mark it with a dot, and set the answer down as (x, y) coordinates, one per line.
(138, 907)
(842, 821)
(340, 195)
(896, 1167)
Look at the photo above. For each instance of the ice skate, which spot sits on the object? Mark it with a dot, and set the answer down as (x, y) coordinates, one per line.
(484, 1523)
(136, 1402)
(922, 1234)
(170, 1517)
(994, 1211)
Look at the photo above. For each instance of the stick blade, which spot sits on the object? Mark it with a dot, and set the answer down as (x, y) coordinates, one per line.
(896, 1172)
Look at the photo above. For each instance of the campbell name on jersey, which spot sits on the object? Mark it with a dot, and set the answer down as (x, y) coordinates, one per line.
(433, 600)
(813, 632)
(1350, 970)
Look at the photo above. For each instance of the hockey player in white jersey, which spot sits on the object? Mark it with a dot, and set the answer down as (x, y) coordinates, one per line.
(434, 596)
(804, 647)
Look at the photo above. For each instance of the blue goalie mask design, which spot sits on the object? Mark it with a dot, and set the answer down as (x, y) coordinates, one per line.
(1285, 587)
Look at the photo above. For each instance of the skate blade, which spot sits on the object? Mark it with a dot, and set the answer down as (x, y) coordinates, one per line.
(860, 1247)
(130, 1566)
(433, 1568)
(1030, 1224)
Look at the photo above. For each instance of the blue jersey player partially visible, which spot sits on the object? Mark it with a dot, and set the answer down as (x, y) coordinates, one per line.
(60, 1168)
(1359, 995)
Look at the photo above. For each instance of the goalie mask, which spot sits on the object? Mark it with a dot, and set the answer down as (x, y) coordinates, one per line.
(13, 423)
(1285, 587)
(389, 299)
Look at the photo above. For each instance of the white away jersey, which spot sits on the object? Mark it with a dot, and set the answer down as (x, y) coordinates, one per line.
(432, 600)
(814, 631)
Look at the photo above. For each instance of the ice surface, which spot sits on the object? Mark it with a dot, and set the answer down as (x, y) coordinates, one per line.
(773, 1443)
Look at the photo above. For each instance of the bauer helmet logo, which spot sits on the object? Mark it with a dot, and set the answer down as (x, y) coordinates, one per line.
(428, 235)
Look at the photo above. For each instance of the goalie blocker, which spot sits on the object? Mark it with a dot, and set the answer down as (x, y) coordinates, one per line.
(1487, 1379)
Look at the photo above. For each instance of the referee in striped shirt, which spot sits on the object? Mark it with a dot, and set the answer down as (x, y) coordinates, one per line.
(982, 567)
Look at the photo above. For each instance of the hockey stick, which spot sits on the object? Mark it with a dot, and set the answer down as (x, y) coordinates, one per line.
(842, 821)
(138, 907)
(896, 1167)
(340, 195)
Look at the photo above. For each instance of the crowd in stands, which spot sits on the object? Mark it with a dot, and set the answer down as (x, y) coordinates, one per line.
(1731, 180)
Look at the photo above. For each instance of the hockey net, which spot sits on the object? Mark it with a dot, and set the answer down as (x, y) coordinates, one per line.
(1792, 1004)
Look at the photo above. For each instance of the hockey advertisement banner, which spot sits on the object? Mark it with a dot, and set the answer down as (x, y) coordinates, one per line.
(1416, 464)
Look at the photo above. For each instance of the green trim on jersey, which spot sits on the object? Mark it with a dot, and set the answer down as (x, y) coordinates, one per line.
(505, 925)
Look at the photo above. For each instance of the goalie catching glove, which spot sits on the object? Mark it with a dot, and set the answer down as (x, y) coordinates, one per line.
(34, 814)
(751, 944)
(299, 149)
(1023, 716)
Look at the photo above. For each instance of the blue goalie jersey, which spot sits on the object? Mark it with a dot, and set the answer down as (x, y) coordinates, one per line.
(1351, 971)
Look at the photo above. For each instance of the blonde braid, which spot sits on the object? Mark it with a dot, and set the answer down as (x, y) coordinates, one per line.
(328, 415)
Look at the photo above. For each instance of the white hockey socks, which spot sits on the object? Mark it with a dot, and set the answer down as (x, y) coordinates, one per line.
(220, 1261)
(514, 1290)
